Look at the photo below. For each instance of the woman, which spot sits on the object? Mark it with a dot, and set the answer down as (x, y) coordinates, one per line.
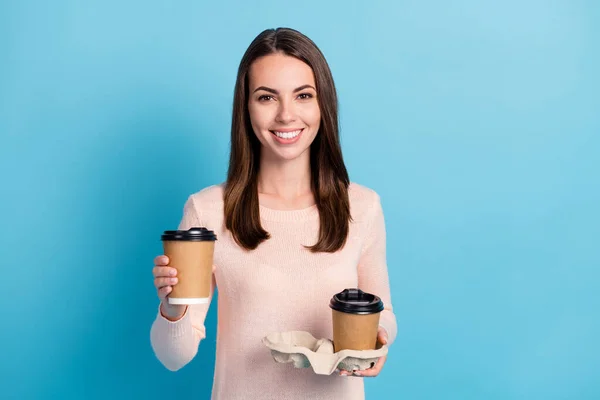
(293, 231)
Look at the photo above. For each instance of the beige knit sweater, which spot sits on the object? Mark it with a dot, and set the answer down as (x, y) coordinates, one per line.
(280, 286)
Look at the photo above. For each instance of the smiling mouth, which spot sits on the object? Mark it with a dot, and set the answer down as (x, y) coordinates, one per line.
(287, 135)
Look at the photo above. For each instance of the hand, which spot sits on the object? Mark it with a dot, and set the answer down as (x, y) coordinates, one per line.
(164, 279)
(382, 338)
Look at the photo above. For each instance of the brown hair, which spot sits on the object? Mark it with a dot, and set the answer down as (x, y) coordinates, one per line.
(329, 181)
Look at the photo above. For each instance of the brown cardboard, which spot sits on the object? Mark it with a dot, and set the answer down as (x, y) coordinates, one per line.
(354, 331)
(193, 261)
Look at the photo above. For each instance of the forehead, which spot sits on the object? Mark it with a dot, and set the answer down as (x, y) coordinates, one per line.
(281, 72)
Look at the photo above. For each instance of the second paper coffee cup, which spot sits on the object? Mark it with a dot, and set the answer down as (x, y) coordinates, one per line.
(191, 252)
(355, 320)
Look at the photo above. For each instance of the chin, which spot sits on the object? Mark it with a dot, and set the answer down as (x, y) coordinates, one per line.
(289, 156)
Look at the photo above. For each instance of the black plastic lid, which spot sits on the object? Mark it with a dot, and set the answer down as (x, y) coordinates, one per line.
(191, 235)
(355, 301)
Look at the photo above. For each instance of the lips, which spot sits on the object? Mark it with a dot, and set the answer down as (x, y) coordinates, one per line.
(288, 136)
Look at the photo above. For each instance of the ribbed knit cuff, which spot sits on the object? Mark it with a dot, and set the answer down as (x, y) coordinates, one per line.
(178, 328)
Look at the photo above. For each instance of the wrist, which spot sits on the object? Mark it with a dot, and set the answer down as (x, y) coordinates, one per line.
(172, 313)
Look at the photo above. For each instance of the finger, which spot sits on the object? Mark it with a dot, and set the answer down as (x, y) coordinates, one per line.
(382, 336)
(368, 373)
(163, 271)
(161, 260)
(375, 370)
(380, 363)
(162, 282)
(164, 292)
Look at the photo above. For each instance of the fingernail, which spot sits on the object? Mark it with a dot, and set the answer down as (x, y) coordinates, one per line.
(173, 280)
(173, 272)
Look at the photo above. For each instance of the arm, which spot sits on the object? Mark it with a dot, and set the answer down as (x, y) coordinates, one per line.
(175, 343)
(372, 267)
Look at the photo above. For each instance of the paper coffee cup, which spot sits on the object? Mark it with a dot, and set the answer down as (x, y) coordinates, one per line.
(191, 252)
(355, 317)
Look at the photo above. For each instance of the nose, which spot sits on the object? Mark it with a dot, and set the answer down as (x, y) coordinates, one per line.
(285, 113)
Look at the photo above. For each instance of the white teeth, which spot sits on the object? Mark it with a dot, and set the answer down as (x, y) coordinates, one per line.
(288, 135)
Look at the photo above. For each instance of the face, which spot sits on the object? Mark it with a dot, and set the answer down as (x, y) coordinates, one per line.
(283, 106)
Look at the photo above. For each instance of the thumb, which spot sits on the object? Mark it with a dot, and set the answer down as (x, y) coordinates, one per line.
(382, 335)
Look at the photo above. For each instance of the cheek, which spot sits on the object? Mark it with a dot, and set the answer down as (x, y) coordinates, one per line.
(259, 117)
(312, 116)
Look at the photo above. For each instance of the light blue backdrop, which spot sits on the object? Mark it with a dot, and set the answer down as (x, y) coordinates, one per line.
(476, 121)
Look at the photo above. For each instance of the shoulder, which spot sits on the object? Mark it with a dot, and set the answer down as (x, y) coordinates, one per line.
(207, 201)
(364, 201)
(362, 195)
(209, 195)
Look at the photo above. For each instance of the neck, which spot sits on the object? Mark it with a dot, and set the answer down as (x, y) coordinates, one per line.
(287, 179)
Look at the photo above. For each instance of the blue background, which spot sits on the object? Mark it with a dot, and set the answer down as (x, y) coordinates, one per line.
(476, 121)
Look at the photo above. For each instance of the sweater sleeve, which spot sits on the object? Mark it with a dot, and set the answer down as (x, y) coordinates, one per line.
(372, 268)
(175, 343)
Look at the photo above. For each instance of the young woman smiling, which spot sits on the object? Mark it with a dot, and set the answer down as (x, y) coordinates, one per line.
(293, 230)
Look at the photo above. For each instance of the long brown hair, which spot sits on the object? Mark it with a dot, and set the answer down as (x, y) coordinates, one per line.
(329, 177)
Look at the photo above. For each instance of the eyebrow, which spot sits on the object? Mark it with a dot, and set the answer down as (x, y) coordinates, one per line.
(267, 89)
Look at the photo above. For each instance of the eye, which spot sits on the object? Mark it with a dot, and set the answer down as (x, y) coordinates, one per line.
(305, 96)
(265, 97)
